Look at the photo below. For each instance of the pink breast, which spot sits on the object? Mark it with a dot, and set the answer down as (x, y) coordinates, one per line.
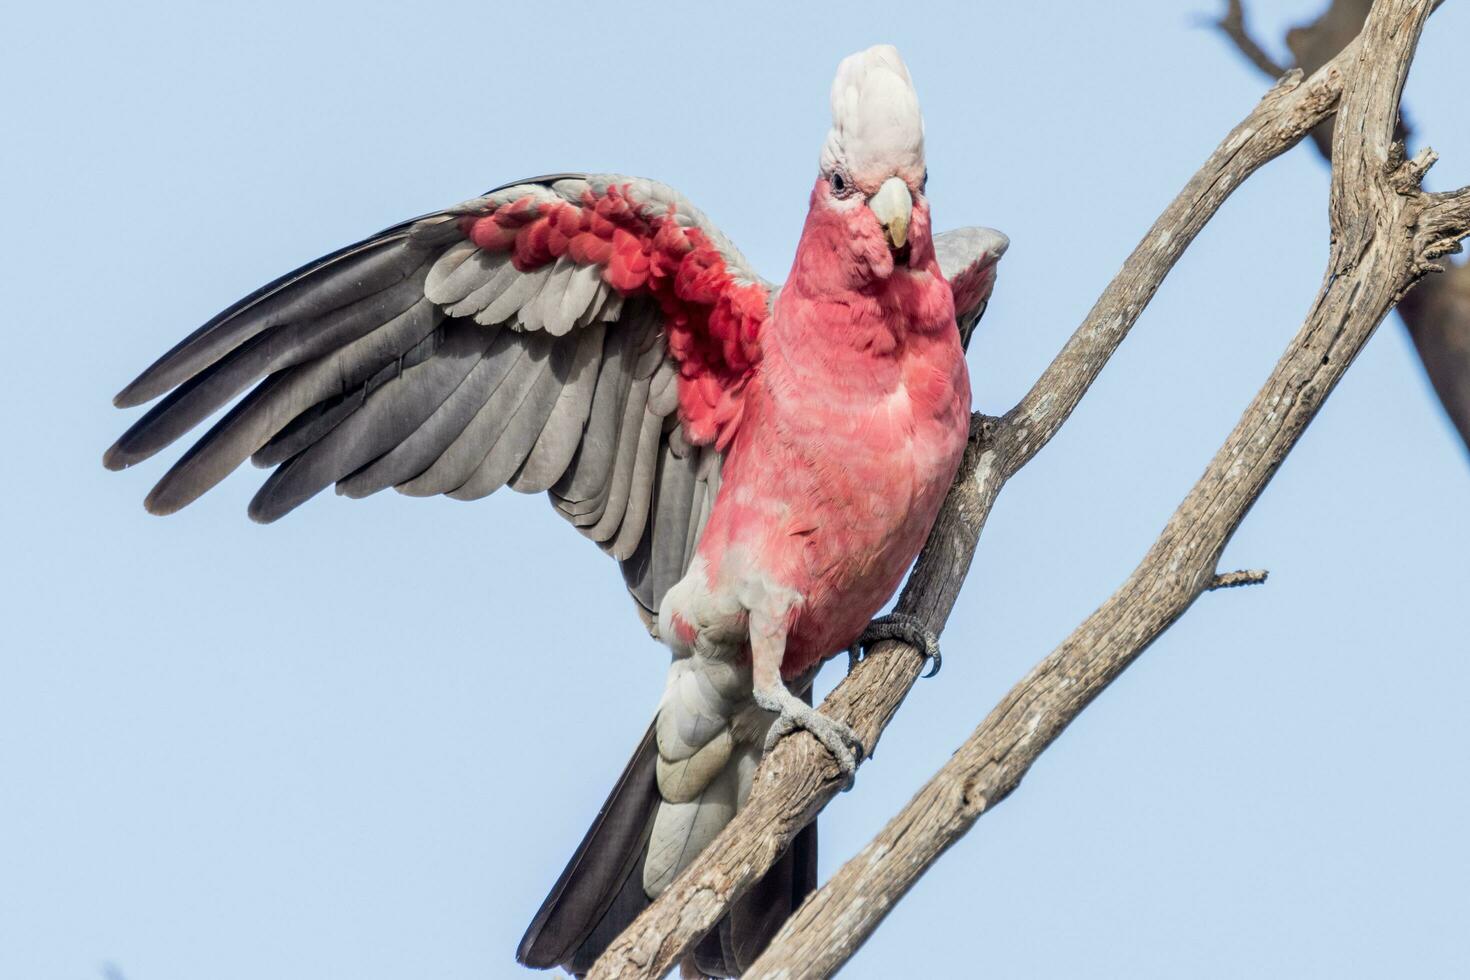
(851, 432)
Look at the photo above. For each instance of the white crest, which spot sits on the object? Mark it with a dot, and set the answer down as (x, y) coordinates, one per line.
(877, 130)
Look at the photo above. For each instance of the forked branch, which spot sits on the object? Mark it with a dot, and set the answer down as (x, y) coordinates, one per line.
(1385, 234)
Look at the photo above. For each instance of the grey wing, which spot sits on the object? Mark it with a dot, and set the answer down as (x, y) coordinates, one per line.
(968, 258)
(416, 360)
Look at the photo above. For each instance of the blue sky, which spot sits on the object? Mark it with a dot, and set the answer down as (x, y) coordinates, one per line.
(361, 742)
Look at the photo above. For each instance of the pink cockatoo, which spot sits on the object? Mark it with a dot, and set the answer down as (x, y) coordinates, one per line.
(764, 463)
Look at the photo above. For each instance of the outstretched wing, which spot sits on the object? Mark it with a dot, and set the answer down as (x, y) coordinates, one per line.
(967, 258)
(585, 335)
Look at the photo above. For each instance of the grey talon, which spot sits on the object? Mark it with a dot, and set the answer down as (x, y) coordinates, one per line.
(794, 713)
(900, 626)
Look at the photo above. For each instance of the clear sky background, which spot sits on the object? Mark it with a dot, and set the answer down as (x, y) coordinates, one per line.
(361, 742)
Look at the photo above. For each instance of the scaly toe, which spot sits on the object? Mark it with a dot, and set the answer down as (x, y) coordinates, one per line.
(841, 741)
(838, 738)
(909, 629)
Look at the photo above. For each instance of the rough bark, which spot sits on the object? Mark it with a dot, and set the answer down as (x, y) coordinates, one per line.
(799, 777)
(1437, 312)
(1386, 234)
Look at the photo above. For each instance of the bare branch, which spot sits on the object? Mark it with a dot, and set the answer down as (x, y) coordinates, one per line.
(1376, 209)
(797, 779)
(1439, 232)
(1437, 312)
(1234, 580)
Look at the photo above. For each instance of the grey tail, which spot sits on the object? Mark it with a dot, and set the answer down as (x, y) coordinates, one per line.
(600, 892)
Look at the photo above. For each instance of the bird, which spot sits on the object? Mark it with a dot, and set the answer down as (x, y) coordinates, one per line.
(764, 462)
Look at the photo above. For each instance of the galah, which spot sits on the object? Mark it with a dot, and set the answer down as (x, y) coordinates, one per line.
(763, 463)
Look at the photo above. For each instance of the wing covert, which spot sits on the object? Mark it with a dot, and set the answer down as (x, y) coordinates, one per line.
(968, 258)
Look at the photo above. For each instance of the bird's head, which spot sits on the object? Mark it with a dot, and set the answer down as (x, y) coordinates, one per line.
(868, 206)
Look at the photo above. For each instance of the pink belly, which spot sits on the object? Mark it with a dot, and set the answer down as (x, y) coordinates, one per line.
(854, 571)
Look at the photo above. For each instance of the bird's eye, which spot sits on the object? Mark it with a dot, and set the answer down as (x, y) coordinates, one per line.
(839, 185)
(924, 181)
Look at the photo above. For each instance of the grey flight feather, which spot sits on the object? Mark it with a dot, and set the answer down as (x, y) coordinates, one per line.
(558, 440)
(337, 279)
(284, 396)
(591, 467)
(387, 417)
(414, 455)
(602, 520)
(519, 436)
(670, 529)
(263, 353)
(513, 368)
(640, 487)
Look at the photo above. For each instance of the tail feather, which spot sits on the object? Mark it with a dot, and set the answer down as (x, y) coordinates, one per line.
(682, 830)
(626, 906)
(639, 843)
(598, 889)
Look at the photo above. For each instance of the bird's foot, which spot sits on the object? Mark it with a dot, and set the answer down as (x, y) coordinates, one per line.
(794, 713)
(898, 626)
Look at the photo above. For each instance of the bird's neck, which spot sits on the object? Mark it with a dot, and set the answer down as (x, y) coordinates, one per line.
(830, 306)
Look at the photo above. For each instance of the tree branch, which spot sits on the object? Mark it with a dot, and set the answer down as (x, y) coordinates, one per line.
(1437, 312)
(797, 779)
(1385, 231)
(1232, 25)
